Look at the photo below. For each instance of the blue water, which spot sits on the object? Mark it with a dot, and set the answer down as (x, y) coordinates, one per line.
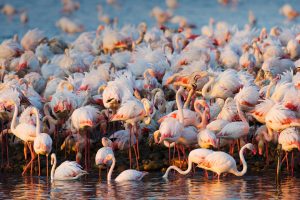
(44, 13)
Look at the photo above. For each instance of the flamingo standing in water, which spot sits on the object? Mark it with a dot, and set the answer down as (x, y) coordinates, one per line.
(103, 152)
(195, 156)
(42, 143)
(131, 112)
(127, 175)
(221, 162)
(289, 138)
(68, 170)
(26, 132)
(83, 118)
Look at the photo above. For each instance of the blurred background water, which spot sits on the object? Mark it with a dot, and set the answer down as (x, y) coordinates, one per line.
(44, 13)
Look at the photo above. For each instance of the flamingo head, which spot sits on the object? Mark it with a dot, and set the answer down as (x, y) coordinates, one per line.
(22, 66)
(84, 88)
(156, 136)
(260, 147)
(106, 142)
(251, 148)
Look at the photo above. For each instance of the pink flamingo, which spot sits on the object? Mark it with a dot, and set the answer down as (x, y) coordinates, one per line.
(42, 143)
(221, 162)
(235, 130)
(131, 112)
(289, 139)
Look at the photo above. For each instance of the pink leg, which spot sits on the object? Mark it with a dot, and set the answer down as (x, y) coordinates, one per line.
(267, 153)
(206, 174)
(47, 165)
(130, 133)
(136, 157)
(292, 163)
(180, 165)
(6, 141)
(30, 163)
(169, 155)
(85, 151)
(287, 162)
(39, 164)
(174, 153)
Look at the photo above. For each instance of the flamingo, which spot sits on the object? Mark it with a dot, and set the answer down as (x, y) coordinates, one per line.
(195, 156)
(289, 139)
(289, 12)
(224, 86)
(42, 143)
(127, 175)
(103, 152)
(32, 39)
(83, 118)
(68, 170)
(235, 130)
(69, 26)
(26, 132)
(221, 162)
(131, 112)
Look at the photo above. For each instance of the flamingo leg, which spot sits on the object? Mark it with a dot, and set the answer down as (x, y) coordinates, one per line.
(169, 155)
(39, 164)
(85, 150)
(287, 161)
(88, 150)
(6, 142)
(47, 164)
(25, 150)
(130, 132)
(174, 153)
(32, 155)
(206, 174)
(184, 156)
(30, 163)
(137, 140)
(292, 163)
(267, 153)
(2, 144)
(136, 157)
(99, 173)
(178, 153)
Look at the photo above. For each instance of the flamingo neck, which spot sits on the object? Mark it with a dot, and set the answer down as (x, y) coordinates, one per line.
(111, 169)
(205, 93)
(179, 170)
(268, 93)
(196, 107)
(53, 168)
(245, 167)
(179, 104)
(47, 114)
(14, 119)
(241, 114)
(38, 125)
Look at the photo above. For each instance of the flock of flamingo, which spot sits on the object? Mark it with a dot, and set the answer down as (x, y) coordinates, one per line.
(224, 89)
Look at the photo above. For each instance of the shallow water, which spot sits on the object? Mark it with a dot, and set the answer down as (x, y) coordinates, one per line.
(44, 13)
(258, 186)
